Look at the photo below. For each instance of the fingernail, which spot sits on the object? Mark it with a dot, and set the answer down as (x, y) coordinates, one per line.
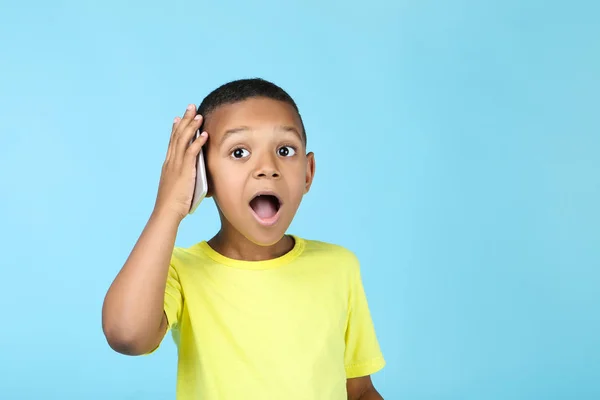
(191, 107)
(197, 117)
(204, 134)
(175, 120)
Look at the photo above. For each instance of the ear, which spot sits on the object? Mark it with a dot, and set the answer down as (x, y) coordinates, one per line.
(310, 171)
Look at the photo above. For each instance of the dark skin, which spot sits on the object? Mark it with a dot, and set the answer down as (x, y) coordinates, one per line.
(261, 117)
(133, 318)
(362, 389)
(243, 156)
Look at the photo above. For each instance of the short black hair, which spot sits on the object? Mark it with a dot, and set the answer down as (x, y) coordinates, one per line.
(244, 89)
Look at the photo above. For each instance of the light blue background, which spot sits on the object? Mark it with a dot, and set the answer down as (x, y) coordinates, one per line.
(457, 153)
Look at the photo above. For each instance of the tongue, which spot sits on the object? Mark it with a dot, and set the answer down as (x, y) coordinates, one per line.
(264, 207)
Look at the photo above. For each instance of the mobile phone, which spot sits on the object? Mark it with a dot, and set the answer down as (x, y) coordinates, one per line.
(201, 185)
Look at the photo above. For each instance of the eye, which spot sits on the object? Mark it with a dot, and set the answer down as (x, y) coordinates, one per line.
(286, 151)
(240, 153)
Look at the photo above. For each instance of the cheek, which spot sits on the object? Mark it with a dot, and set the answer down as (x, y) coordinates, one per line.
(227, 186)
(225, 183)
(215, 172)
(297, 185)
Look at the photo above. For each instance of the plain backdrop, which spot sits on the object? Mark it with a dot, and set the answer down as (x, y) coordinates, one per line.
(457, 147)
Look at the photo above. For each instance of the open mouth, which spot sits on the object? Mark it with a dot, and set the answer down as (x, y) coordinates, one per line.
(266, 207)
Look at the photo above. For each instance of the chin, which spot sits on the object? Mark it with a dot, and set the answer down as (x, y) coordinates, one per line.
(265, 239)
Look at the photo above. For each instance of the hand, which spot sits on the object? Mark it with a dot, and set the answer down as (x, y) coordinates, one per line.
(178, 177)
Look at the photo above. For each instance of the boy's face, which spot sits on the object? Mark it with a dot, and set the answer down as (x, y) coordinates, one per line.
(256, 147)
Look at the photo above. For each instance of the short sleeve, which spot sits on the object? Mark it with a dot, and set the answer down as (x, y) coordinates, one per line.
(363, 355)
(173, 302)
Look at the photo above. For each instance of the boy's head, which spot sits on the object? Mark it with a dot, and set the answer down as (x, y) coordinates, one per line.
(256, 158)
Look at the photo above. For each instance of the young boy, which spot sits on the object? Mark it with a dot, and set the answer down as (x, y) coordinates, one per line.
(256, 313)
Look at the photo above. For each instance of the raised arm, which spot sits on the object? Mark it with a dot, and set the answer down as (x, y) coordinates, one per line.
(133, 318)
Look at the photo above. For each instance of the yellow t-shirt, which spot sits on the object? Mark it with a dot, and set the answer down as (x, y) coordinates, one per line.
(294, 327)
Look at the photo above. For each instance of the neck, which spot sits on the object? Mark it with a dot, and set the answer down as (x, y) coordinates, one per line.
(232, 244)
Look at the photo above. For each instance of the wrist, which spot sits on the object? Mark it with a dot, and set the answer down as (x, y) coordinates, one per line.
(166, 216)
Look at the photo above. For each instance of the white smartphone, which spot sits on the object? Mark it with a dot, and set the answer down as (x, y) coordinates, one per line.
(201, 186)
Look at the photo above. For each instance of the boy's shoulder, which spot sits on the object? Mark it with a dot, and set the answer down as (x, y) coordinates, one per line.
(331, 252)
(322, 247)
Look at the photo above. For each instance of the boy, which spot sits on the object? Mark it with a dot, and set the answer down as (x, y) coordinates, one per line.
(256, 313)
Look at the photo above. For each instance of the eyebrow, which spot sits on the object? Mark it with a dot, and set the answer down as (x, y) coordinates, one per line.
(288, 128)
(244, 128)
(233, 131)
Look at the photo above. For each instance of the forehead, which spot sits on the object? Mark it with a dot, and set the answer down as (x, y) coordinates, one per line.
(256, 113)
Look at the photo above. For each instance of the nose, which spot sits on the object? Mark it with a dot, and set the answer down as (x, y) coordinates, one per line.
(266, 173)
(267, 169)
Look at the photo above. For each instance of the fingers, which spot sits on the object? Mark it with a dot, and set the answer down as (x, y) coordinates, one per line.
(185, 131)
(175, 122)
(187, 120)
(170, 146)
(182, 131)
(194, 149)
